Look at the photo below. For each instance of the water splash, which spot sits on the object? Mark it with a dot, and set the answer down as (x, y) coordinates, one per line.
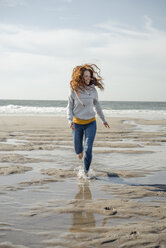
(81, 174)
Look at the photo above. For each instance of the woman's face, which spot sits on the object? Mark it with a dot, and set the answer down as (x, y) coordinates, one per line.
(87, 77)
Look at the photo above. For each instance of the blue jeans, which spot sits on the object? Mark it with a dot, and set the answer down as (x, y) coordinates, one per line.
(88, 131)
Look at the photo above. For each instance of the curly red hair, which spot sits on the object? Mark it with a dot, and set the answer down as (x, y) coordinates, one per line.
(78, 83)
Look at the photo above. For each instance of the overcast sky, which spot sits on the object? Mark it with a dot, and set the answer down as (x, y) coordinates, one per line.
(41, 41)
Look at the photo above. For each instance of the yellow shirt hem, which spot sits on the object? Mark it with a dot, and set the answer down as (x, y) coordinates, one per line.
(79, 121)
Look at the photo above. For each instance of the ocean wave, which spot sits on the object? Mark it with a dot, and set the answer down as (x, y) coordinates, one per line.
(61, 111)
(25, 110)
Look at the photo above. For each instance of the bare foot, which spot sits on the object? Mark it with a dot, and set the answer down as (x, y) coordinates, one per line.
(80, 155)
(85, 174)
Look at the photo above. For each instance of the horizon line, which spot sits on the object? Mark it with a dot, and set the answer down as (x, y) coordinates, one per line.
(14, 99)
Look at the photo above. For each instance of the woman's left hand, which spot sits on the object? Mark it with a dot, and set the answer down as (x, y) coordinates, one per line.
(106, 125)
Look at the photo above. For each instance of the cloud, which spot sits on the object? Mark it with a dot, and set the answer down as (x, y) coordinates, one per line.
(131, 59)
(13, 3)
(64, 42)
(66, 1)
(148, 23)
(120, 29)
(118, 41)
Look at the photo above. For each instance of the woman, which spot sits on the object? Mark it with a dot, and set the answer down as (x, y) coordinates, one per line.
(82, 100)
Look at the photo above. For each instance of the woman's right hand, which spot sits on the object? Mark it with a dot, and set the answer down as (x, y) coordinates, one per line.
(72, 126)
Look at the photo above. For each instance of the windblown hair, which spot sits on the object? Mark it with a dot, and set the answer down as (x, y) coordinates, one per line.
(78, 83)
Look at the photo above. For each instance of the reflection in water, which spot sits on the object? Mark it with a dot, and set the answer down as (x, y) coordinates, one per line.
(83, 219)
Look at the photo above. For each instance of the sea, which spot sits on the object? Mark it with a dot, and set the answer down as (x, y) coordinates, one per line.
(133, 109)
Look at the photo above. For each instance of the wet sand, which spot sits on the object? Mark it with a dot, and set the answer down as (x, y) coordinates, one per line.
(44, 203)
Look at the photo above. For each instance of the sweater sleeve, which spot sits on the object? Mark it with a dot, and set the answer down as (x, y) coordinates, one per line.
(98, 108)
(70, 106)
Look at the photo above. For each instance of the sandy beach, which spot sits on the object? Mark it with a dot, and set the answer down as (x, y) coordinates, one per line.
(44, 202)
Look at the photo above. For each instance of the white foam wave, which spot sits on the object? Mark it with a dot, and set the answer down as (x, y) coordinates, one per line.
(61, 111)
(28, 110)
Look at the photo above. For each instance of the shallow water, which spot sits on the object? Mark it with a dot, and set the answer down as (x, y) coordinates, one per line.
(29, 230)
(146, 128)
(28, 210)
